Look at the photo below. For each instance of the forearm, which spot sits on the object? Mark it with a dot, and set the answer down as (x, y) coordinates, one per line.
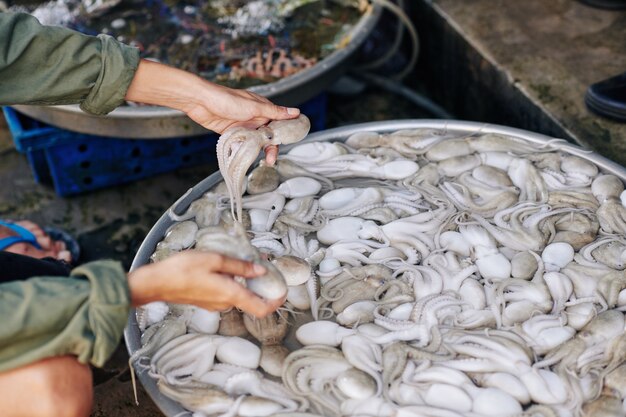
(211, 105)
(169, 280)
(162, 85)
(145, 286)
(46, 65)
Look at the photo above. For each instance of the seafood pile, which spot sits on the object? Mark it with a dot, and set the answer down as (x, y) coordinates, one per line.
(237, 43)
(428, 273)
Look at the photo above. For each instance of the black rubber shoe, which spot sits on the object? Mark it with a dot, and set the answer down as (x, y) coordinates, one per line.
(606, 4)
(608, 98)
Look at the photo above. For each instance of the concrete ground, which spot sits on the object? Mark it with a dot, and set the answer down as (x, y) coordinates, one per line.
(524, 64)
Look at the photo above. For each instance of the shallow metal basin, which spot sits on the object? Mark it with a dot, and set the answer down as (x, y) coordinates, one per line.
(132, 334)
(153, 122)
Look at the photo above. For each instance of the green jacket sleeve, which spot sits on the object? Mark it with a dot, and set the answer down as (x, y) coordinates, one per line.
(47, 65)
(52, 316)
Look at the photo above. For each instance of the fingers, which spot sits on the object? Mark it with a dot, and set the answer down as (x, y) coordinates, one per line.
(34, 228)
(65, 255)
(271, 154)
(264, 108)
(40, 235)
(45, 241)
(231, 266)
(206, 281)
(272, 111)
(237, 295)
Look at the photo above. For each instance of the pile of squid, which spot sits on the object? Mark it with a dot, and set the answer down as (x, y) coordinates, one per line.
(427, 274)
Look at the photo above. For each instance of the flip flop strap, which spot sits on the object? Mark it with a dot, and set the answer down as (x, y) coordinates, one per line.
(24, 236)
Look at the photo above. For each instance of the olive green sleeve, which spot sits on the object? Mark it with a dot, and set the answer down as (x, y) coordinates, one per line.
(47, 65)
(83, 315)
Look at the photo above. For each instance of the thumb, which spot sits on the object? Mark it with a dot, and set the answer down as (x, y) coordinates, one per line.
(273, 111)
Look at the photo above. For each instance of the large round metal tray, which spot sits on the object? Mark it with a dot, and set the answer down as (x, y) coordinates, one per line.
(132, 334)
(152, 122)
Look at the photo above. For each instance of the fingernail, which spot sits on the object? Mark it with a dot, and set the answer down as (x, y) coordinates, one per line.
(292, 111)
(259, 269)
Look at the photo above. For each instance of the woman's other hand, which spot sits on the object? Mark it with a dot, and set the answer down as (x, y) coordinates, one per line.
(203, 279)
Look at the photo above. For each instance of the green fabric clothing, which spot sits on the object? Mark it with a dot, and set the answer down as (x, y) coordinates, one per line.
(82, 315)
(85, 314)
(47, 65)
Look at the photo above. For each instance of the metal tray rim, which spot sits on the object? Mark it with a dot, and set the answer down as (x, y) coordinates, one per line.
(357, 34)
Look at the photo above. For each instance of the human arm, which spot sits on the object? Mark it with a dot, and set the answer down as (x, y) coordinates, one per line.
(48, 65)
(212, 106)
(84, 315)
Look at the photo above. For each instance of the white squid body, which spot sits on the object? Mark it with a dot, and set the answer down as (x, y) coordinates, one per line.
(151, 313)
(341, 228)
(315, 152)
(238, 351)
(359, 312)
(296, 271)
(194, 354)
(322, 333)
(299, 187)
(490, 262)
(545, 332)
(453, 390)
(556, 255)
(348, 199)
(298, 296)
(204, 321)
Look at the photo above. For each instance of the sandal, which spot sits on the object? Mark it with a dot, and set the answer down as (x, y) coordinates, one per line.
(606, 4)
(26, 236)
(608, 98)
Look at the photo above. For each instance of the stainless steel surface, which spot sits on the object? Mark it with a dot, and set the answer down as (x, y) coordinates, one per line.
(132, 335)
(152, 122)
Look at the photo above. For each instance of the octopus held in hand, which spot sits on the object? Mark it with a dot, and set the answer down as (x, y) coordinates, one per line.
(239, 147)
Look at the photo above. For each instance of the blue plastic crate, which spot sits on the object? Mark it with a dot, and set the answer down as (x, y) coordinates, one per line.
(315, 109)
(74, 163)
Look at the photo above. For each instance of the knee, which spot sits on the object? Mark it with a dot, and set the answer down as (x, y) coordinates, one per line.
(59, 387)
(68, 388)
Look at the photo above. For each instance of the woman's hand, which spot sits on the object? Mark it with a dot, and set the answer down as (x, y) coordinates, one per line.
(210, 105)
(203, 279)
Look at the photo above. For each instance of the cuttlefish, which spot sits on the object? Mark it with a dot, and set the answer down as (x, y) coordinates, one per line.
(238, 148)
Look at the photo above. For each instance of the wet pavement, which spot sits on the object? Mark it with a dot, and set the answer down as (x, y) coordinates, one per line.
(526, 64)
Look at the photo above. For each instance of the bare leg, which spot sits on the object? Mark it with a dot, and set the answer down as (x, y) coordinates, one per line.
(59, 387)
